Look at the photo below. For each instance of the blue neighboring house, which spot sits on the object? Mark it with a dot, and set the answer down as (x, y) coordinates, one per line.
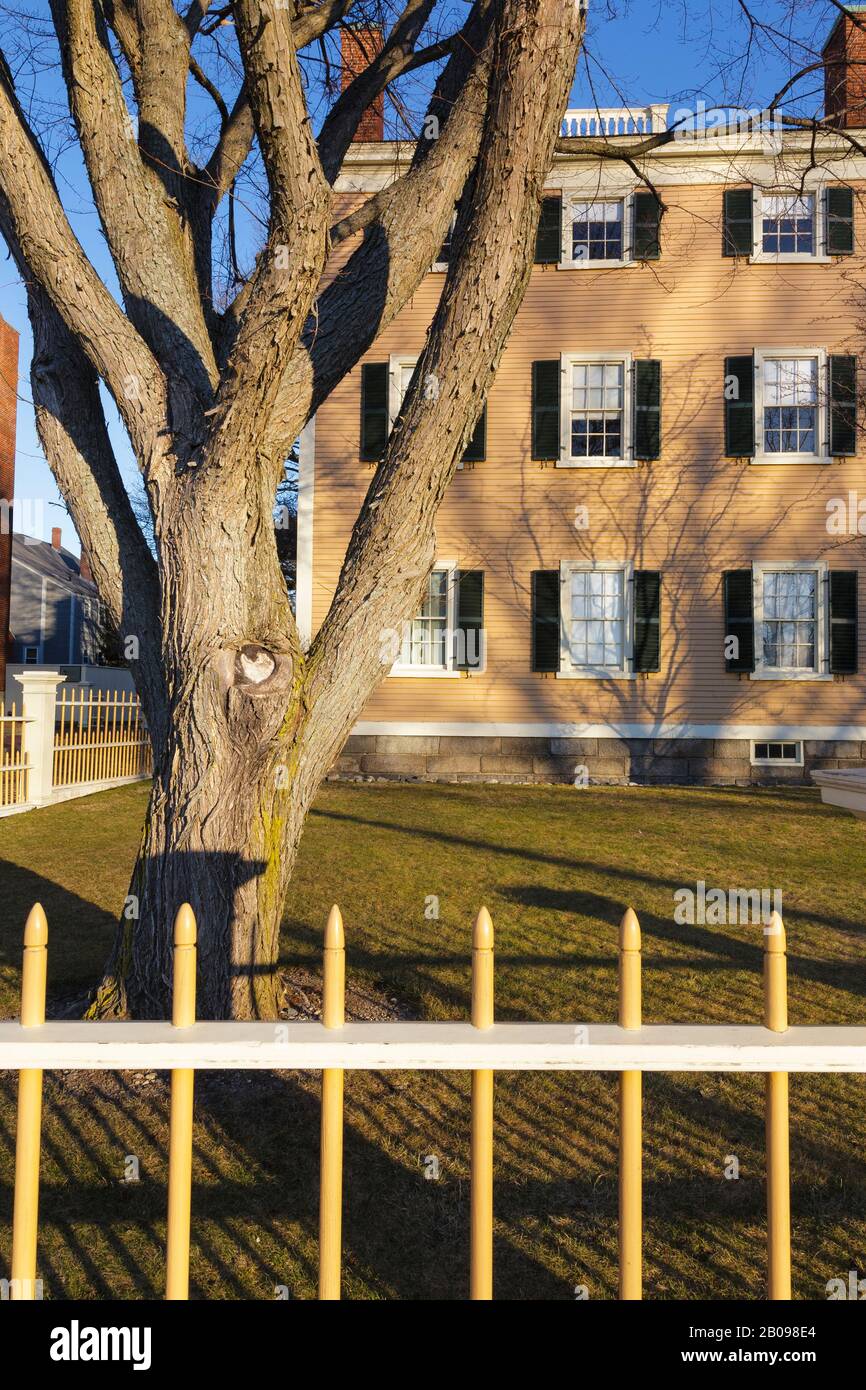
(56, 617)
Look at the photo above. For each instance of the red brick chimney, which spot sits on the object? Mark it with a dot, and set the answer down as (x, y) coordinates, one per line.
(359, 46)
(845, 70)
(8, 404)
(56, 533)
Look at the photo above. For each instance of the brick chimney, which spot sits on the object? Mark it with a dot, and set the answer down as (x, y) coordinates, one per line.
(359, 46)
(8, 404)
(844, 58)
(56, 533)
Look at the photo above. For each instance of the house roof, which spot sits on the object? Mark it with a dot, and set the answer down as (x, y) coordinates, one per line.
(60, 566)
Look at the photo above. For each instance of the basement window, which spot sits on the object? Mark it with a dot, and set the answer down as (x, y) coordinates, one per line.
(767, 752)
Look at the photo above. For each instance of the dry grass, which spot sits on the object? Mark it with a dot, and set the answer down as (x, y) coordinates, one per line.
(555, 866)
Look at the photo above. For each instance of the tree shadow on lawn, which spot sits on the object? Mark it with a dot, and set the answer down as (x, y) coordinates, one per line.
(79, 936)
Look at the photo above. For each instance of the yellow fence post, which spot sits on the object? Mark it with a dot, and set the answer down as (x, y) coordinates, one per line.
(25, 1215)
(630, 1119)
(331, 1155)
(778, 1152)
(180, 1132)
(481, 1252)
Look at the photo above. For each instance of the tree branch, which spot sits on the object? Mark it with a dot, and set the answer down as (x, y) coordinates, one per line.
(150, 243)
(32, 220)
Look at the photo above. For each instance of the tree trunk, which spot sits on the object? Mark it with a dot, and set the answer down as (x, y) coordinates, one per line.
(232, 862)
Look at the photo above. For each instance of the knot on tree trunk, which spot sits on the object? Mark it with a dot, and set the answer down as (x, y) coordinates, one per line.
(258, 685)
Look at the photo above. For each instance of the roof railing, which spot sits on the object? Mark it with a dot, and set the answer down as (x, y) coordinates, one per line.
(616, 120)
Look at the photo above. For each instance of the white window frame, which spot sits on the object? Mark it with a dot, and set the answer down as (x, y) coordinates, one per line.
(567, 670)
(822, 424)
(822, 623)
(447, 672)
(776, 762)
(566, 362)
(31, 648)
(818, 256)
(606, 195)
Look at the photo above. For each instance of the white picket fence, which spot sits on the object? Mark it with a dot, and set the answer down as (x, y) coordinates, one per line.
(68, 743)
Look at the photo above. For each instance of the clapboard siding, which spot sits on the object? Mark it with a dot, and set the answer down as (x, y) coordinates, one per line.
(692, 514)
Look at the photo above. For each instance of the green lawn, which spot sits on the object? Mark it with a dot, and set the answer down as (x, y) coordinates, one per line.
(555, 866)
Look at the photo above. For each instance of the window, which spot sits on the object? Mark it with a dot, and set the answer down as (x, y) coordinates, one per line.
(426, 635)
(31, 656)
(596, 619)
(597, 231)
(446, 636)
(777, 751)
(790, 615)
(788, 224)
(791, 406)
(596, 412)
(790, 620)
(400, 373)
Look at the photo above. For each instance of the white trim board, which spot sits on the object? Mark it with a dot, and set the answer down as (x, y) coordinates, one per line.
(432, 1047)
(304, 570)
(661, 730)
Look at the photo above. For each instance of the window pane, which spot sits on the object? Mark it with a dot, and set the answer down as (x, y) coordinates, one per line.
(596, 231)
(790, 405)
(788, 224)
(598, 390)
(424, 640)
(790, 613)
(597, 618)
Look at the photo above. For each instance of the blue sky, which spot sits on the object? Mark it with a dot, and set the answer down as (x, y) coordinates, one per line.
(638, 51)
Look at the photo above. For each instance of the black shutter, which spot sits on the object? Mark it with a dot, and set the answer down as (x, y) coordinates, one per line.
(545, 620)
(739, 393)
(545, 409)
(737, 239)
(374, 410)
(740, 619)
(647, 620)
(840, 221)
(843, 622)
(548, 238)
(843, 406)
(468, 636)
(647, 227)
(647, 409)
(476, 449)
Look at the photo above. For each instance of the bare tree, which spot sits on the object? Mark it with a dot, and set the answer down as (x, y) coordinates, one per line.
(244, 722)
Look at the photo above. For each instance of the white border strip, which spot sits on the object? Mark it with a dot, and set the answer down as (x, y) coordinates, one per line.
(304, 574)
(431, 1047)
(660, 730)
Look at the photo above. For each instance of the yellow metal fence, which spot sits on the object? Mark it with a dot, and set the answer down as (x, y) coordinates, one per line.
(13, 759)
(628, 1048)
(99, 738)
